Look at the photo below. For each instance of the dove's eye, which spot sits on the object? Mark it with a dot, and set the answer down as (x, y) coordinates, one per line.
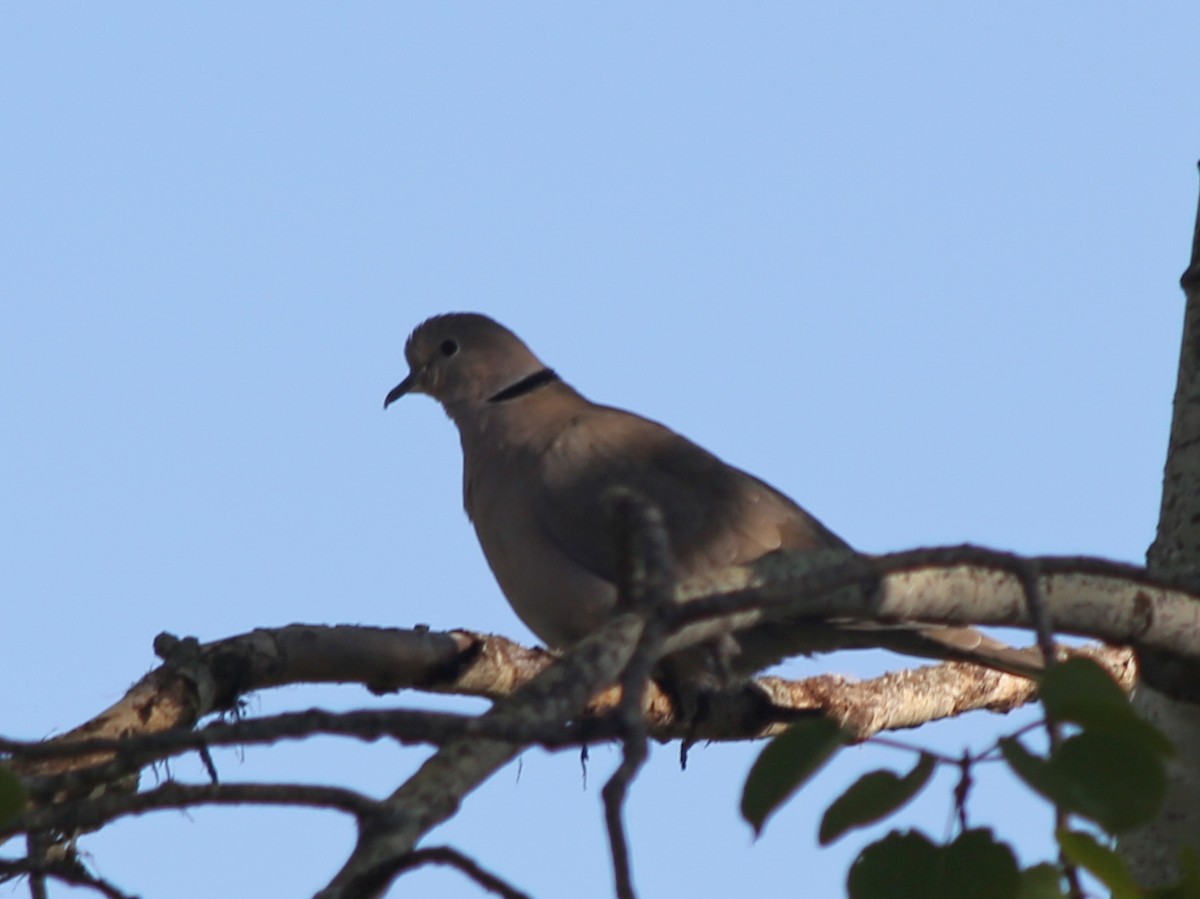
(449, 347)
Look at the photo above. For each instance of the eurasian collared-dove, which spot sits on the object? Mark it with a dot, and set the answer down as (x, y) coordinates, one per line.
(539, 460)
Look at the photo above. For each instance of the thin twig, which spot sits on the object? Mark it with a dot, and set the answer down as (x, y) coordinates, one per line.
(405, 725)
(433, 794)
(646, 586)
(963, 789)
(83, 814)
(70, 872)
(445, 855)
(38, 843)
(1029, 574)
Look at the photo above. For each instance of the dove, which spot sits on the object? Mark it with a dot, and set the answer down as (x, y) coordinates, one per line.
(540, 461)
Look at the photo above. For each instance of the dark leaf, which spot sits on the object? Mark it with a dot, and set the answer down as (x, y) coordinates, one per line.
(1113, 779)
(1102, 862)
(909, 866)
(873, 796)
(1082, 692)
(1041, 882)
(1033, 769)
(785, 764)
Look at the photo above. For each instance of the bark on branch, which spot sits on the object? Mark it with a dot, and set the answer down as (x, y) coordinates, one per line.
(955, 585)
(569, 703)
(1169, 695)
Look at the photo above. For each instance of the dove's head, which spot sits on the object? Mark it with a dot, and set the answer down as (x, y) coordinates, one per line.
(464, 359)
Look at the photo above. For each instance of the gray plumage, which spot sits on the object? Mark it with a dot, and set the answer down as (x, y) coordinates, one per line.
(539, 459)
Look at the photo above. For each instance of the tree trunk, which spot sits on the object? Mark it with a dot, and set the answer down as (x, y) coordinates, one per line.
(1168, 694)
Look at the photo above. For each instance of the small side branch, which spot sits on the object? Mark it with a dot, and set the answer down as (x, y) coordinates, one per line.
(434, 792)
(69, 871)
(951, 585)
(84, 814)
(444, 855)
(645, 589)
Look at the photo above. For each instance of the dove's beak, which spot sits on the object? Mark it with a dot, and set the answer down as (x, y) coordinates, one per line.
(399, 390)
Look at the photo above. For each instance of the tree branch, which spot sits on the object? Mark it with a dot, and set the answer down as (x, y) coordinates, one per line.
(69, 871)
(434, 792)
(444, 855)
(952, 585)
(85, 814)
(646, 588)
(1170, 694)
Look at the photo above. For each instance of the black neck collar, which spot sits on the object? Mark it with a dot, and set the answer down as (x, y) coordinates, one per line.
(525, 385)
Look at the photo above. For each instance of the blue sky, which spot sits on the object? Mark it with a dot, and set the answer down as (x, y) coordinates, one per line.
(915, 265)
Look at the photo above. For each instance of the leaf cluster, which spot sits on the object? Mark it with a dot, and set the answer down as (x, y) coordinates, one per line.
(1108, 775)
